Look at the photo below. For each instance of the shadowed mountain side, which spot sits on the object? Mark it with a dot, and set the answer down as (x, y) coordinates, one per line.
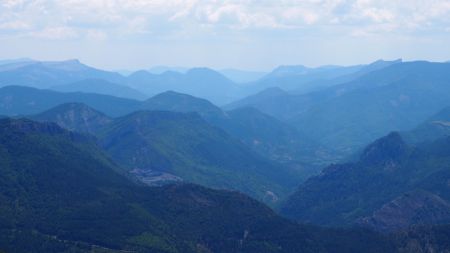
(392, 186)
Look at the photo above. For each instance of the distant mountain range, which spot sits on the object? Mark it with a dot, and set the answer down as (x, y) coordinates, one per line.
(49, 74)
(220, 87)
(200, 82)
(235, 75)
(349, 115)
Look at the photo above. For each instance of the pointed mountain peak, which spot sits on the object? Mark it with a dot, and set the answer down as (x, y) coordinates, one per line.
(172, 94)
(380, 64)
(386, 149)
(180, 102)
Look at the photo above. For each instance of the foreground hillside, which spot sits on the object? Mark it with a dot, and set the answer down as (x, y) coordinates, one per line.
(391, 186)
(60, 193)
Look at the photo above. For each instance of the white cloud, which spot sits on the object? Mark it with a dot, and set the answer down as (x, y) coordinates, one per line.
(16, 25)
(379, 15)
(96, 35)
(12, 3)
(297, 14)
(55, 33)
(67, 18)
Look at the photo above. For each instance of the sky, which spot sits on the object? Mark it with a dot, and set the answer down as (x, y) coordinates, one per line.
(247, 34)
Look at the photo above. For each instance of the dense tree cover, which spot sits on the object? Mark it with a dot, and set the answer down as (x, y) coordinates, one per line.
(60, 193)
(179, 144)
(186, 146)
(391, 186)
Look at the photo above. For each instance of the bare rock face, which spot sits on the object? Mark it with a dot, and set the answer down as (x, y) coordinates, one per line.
(413, 208)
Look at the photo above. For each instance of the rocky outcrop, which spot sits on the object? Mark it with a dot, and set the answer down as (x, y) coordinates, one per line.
(412, 208)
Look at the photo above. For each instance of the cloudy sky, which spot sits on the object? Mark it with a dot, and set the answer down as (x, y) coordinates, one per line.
(247, 34)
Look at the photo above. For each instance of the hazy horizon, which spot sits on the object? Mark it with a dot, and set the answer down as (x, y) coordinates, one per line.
(250, 35)
(182, 69)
